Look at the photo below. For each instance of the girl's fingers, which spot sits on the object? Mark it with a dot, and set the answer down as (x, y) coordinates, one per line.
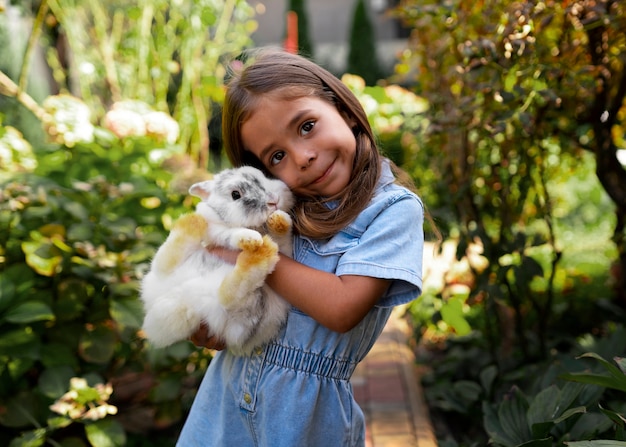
(202, 339)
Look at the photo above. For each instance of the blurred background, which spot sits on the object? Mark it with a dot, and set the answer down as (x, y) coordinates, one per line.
(507, 116)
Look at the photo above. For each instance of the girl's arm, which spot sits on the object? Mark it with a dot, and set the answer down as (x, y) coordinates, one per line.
(337, 302)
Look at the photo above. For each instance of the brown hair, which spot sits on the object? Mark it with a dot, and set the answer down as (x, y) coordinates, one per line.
(289, 76)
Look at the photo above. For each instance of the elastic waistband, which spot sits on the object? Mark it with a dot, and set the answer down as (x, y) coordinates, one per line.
(309, 362)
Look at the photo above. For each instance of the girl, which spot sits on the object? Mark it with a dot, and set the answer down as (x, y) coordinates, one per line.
(357, 253)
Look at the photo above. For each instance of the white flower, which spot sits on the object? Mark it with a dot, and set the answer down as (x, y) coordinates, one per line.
(161, 125)
(124, 123)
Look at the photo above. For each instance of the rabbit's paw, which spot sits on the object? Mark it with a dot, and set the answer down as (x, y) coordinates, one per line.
(192, 226)
(279, 222)
(247, 240)
(268, 250)
(262, 257)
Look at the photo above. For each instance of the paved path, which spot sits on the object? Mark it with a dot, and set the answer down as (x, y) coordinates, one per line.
(387, 382)
(386, 385)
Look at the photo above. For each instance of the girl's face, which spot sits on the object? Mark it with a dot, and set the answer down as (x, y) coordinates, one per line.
(305, 142)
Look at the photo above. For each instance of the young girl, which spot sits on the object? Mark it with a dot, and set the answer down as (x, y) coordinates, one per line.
(357, 253)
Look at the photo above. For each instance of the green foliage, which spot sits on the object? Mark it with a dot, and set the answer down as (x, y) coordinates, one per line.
(396, 114)
(168, 55)
(305, 45)
(513, 149)
(500, 143)
(362, 55)
(82, 214)
(77, 234)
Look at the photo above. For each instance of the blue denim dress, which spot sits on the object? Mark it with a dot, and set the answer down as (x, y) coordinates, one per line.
(296, 391)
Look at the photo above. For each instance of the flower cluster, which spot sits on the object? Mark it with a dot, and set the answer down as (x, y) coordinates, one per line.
(67, 120)
(85, 402)
(136, 118)
(16, 154)
(388, 108)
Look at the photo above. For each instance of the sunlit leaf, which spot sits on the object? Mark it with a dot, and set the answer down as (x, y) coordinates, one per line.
(106, 433)
(33, 438)
(41, 258)
(452, 314)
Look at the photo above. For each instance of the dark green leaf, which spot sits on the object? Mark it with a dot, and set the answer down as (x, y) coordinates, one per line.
(29, 312)
(98, 345)
(512, 415)
(54, 382)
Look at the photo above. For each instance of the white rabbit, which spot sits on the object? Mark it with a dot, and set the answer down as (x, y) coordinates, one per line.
(186, 285)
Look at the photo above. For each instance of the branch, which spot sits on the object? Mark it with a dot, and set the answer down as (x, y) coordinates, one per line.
(32, 41)
(11, 89)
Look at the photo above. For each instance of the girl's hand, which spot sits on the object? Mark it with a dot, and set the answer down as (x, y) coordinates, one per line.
(224, 254)
(201, 338)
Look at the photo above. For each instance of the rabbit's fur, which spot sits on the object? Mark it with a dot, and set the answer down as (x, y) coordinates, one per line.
(239, 209)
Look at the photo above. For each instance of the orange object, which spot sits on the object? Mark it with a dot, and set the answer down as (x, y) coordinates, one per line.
(291, 42)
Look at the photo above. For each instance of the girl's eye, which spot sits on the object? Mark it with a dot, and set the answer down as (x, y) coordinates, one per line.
(276, 158)
(307, 127)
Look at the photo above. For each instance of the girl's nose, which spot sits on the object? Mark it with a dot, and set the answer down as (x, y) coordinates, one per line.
(305, 159)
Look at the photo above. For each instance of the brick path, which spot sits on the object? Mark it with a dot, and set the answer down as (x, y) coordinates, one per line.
(387, 382)
(386, 385)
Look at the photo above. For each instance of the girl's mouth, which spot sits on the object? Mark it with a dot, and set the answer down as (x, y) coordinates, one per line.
(323, 176)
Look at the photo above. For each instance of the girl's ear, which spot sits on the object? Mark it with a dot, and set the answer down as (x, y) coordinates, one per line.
(202, 189)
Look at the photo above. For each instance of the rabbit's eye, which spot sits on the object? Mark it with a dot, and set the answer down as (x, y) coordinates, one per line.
(236, 195)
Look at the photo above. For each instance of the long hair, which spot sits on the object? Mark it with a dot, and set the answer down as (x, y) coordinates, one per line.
(288, 76)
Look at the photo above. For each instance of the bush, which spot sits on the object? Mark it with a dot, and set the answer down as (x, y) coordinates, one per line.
(78, 231)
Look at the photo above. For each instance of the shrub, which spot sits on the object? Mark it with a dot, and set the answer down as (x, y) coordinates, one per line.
(78, 231)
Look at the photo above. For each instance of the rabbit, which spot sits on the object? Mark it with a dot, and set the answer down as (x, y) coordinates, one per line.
(186, 285)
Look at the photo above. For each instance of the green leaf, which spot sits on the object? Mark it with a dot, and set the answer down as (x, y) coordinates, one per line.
(59, 422)
(77, 210)
(166, 390)
(546, 442)
(7, 291)
(597, 443)
(595, 379)
(617, 418)
(614, 371)
(29, 312)
(19, 410)
(72, 296)
(41, 257)
(106, 433)
(488, 376)
(545, 405)
(54, 382)
(22, 342)
(494, 428)
(128, 312)
(98, 345)
(452, 314)
(621, 363)
(569, 413)
(512, 415)
(82, 231)
(33, 438)
(58, 354)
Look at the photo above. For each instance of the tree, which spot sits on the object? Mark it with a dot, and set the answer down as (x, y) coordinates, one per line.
(518, 91)
(362, 56)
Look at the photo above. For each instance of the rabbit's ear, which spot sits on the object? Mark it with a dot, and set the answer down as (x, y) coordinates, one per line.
(202, 189)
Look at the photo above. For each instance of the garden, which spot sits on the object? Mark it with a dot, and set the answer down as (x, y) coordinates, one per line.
(508, 117)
